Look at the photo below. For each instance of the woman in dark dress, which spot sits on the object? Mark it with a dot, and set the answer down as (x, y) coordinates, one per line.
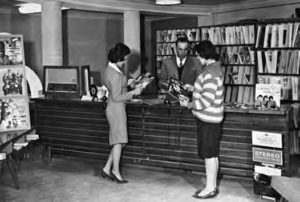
(207, 107)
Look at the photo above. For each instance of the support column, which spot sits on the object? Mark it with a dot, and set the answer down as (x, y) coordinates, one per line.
(132, 38)
(52, 33)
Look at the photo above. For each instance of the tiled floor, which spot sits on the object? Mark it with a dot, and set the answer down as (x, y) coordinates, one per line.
(74, 180)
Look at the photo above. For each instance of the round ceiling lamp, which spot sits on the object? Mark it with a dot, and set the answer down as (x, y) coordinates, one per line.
(167, 2)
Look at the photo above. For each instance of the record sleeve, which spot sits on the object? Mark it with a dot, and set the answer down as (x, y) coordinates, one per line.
(178, 91)
(141, 81)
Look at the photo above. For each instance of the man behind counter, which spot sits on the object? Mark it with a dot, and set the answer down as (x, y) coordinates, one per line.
(180, 66)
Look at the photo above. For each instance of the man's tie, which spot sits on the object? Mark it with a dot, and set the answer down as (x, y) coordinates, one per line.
(180, 64)
(180, 68)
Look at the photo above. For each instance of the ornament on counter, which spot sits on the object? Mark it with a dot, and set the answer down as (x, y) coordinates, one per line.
(94, 92)
(99, 93)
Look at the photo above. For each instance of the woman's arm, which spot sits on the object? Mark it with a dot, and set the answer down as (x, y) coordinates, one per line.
(204, 98)
(116, 91)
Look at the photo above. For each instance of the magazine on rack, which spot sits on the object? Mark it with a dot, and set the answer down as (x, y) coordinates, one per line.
(178, 91)
(267, 96)
(141, 81)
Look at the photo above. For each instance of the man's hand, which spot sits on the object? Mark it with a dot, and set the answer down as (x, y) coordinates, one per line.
(188, 87)
(183, 102)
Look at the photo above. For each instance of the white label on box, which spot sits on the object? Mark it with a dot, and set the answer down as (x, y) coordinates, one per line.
(267, 170)
(267, 139)
(267, 156)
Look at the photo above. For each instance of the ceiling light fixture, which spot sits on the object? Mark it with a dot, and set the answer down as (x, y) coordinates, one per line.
(27, 8)
(167, 2)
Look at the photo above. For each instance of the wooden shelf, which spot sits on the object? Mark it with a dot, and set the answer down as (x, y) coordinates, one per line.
(277, 74)
(250, 65)
(277, 48)
(236, 84)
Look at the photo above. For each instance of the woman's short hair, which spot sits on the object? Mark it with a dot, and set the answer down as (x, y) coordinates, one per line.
(2, 44)
(118, 53)
(206, 50)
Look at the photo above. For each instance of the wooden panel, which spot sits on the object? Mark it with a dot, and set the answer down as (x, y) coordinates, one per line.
(161, 135)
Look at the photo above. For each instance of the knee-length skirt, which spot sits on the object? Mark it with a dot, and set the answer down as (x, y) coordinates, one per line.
(117, 120)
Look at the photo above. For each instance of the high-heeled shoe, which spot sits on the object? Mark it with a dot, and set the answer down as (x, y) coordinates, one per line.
(119, 181)
(105, 175)
(211, 194)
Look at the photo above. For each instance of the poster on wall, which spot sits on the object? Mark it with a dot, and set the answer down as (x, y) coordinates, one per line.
(11, 50)
(12, 81)
(14, 114)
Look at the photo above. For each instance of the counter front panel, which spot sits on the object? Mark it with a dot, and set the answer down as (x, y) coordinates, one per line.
(160, 135)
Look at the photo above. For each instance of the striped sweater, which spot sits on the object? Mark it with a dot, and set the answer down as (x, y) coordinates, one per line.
(208, 94)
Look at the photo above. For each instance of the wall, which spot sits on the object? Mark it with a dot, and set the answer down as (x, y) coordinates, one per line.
(266, 12)
(87, 37)
(146, 44)
(5, 20)
(14, 23)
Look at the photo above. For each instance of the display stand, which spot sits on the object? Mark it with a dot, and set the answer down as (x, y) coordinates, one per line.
(14, 105)
(13, 85)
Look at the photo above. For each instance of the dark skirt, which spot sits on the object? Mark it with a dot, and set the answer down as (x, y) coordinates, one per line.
(208, 139)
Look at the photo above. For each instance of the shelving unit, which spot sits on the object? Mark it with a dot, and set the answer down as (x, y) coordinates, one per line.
(278, 56)
(235, 44)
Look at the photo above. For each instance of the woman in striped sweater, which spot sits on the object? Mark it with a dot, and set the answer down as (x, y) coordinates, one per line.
(207, 107)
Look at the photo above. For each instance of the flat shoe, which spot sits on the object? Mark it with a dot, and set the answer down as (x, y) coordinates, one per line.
(211, 194)
(197, 192)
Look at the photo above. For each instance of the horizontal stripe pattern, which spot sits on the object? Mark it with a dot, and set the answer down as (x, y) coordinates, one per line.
(208, 98)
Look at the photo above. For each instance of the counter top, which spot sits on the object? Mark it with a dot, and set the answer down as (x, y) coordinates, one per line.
(159, 104)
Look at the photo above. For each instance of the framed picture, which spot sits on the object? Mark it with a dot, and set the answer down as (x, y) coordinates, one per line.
(11, 50)
(14, 114)
(12, 81)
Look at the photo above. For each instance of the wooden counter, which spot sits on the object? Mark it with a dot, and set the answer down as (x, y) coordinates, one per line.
(159, 135)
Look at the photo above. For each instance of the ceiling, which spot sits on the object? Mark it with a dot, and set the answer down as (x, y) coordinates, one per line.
(196, 2)
(188, 7)
(12, 3)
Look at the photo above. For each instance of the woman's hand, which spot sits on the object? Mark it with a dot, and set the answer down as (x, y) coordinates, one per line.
(137, 91)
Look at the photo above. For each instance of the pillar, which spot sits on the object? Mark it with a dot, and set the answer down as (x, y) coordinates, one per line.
(52, 33)
(132, 38)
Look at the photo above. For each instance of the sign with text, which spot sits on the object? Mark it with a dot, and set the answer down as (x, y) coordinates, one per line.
(267, 170)
(267, 139)
(267, 156)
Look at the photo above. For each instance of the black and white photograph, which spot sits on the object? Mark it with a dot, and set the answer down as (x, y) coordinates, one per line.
(149, 100)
